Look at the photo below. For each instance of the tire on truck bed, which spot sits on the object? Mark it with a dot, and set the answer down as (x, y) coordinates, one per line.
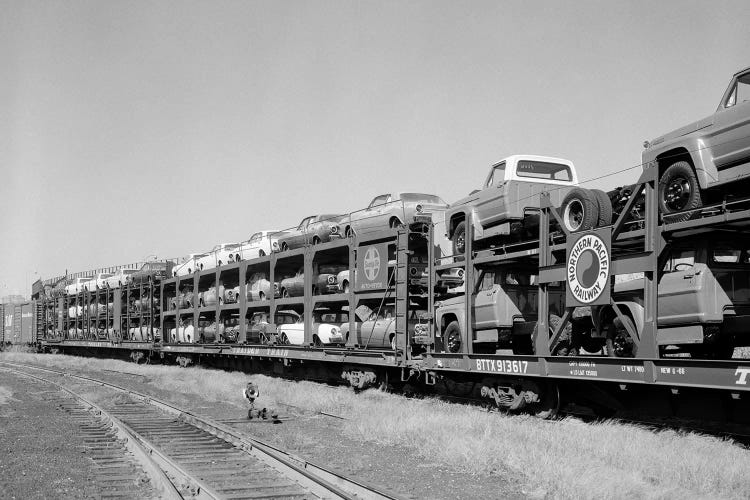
(605, 207)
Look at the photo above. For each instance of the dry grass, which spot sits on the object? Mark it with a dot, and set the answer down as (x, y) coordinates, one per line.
(561, 459)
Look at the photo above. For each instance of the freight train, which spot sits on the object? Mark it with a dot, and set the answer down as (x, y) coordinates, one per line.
(529, 291)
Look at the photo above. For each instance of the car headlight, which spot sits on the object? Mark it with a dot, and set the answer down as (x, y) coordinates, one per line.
(334, 330)
(275, 245)
(334, 229)
(419, 208)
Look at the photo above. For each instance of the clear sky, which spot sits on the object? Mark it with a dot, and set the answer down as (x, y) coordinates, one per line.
(132, 128)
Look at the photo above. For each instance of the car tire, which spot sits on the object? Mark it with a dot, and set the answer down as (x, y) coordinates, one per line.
(284, 247)
(452, 337)
(459, 239)
(284, 293)
(393, 341)
(317, 342)
(679, 190)
(605, 208)
(394, 223)
(618, 343)
(316, 240)
(579, 210)
(349, 232)
(346, 287)
(261, 296)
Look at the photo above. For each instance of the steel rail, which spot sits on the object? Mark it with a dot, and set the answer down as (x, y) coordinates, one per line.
(322, 481)
(162, 484)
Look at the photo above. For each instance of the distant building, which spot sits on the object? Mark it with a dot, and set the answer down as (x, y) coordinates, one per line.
(13, 299)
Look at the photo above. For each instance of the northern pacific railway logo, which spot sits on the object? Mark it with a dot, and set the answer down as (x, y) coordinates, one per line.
(372, 263)
(588, 268)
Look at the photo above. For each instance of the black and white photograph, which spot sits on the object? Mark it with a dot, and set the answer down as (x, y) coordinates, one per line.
(360, 249)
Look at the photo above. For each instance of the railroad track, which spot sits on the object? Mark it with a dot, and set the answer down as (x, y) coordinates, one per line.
(139, 440)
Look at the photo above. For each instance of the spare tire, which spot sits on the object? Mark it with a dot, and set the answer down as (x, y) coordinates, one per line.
(605, 207)
(579, 210)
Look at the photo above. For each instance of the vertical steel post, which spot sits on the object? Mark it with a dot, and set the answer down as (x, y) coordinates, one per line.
(541, 343)
(648, 347)
(242, 301)
(307, 302)
(469, 287)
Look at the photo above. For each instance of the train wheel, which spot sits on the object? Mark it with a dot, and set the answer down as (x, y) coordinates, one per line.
(549, 403)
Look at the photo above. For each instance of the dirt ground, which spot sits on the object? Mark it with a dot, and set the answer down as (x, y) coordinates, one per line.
(35, 439)
(38, 455)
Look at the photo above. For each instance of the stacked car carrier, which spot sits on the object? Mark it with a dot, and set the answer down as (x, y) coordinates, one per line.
(422, 355)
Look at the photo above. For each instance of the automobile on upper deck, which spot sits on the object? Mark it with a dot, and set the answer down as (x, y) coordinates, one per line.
(312, 230)
(76, 286)
(187, 265)
(509, 195)
(699, 161)
(119, 278)
(260, 244)
(150, 272)
(97, 281)
(393, 210)
(225, 253)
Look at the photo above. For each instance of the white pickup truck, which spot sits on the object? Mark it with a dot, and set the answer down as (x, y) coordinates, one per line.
(508, 203)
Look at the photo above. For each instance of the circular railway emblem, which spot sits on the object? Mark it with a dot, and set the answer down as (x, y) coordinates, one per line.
(587, 271)
(372, 263)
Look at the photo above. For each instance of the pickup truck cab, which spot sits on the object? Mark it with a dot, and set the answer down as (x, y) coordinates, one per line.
(509, 194)
(505, 313)
(703, 302)
(699, 161)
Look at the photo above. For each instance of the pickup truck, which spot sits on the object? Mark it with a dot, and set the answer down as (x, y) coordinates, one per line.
(505, 314)
(703, 302)
(699, 161)
(508, 203)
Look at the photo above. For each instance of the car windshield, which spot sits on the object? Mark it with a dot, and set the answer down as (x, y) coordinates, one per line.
(727, 253)
(740, 91)
(331, 317)
(543, 170)
(424, 198)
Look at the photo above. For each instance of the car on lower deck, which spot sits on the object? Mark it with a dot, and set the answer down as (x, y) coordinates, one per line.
(259, 288)
(293, 332)
(703, 301)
